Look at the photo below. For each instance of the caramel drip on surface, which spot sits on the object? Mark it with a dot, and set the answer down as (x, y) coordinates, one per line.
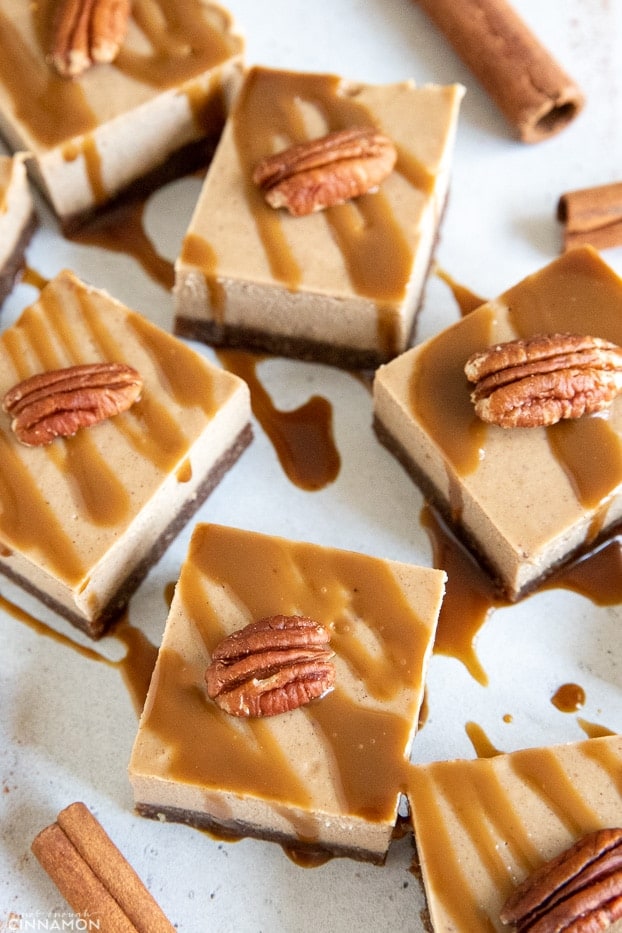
(594, 730)
(184, 472)
(138, 663)
(306, 859)
(604, 755)
(482, 745)
(122, 230)
(87, 148)
(374, 249)
(469, 598)
(302, 437)
(568, 698)
(136, 666)
(182, 372)
(32, 277)
(440, 396)
(466, 300)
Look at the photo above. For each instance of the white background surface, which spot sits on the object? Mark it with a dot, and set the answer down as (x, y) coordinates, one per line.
(67, 723)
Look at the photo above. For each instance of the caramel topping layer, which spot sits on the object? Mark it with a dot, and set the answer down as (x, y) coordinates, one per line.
(169, 42)
(576, 293)
(92, 473)
(488, 823)
(269, 108)
(364, 725)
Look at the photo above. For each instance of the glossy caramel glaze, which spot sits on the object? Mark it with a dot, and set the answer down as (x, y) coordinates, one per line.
(345, 754)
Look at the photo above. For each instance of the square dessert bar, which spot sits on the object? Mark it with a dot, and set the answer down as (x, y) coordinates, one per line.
(341, 285)
(144, 116)
(17, 219)
(524, 499)
(325, 776)
(483, 826)
(83, 518)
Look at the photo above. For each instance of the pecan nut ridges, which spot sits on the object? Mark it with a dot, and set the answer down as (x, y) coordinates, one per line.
(271, 666)
(314, 175)
(543, 379)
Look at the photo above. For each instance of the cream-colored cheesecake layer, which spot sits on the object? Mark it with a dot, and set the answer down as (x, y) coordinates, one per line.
(525, 498)
(350, 276)
(16, 206)
(328, 774)
(482, 826)
(90, 137)
(78, 515)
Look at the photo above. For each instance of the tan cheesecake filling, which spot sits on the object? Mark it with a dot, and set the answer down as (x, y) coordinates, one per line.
(363, 744)
(272, 110)
(488, 823)
(100, 493)
(55, 109)
(557, 300)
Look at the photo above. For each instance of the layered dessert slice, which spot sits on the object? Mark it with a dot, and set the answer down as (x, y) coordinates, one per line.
(17, 219)
(523, 498)
(343, 283)
(95, 127)
(89, 502)
(322, 776)
(484, 826)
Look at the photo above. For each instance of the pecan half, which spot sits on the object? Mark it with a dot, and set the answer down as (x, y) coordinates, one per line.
(59, 402)
(88, 32)
(544, 379)
(578, 891)
(271, 666)
(311, 176)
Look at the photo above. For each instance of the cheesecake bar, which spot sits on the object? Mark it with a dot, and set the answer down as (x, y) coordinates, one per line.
(142, 117)
(17, 219)
(325, 776)
(341, 284)
(483, 826)
(85, 515)
(524, 499)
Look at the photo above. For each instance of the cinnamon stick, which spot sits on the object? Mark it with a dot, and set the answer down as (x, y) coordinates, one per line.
(592, 216)
(94, 877)
(530, 88)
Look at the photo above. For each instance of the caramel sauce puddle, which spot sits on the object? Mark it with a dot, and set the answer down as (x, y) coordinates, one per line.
(302, 438)
(121, 229)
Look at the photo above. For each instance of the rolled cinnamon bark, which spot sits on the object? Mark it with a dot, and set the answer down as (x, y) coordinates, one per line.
(592, 216)
(94, 877)
(530, 88)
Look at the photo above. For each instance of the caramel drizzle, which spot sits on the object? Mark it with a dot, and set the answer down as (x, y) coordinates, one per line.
(364, 743)
(151, 428)
(374, 248)
(54, 109)
(478, 796)
(560, 298)
(302, 437)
